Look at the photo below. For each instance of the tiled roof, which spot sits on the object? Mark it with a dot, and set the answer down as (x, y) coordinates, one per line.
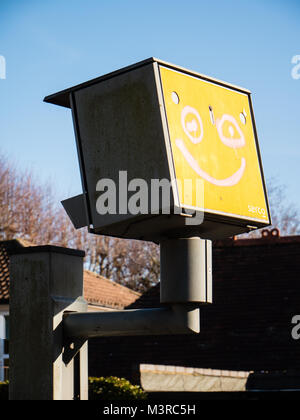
(101, 291)
(4, 274)
(97, 289)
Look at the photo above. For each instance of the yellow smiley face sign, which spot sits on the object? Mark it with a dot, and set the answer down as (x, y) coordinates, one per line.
(213, 139)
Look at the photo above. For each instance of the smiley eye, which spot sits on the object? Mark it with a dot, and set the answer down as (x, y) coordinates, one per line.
(231, 131)
(233, 128)
(192, 124)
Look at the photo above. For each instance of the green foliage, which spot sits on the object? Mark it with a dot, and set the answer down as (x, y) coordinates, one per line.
(110, 388)
(3, 391)
(113, 388)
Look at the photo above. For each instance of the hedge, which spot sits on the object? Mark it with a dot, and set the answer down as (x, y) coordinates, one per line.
(113, 388)
(110, 388)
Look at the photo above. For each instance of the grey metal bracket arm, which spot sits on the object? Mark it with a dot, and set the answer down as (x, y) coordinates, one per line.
(175, 319)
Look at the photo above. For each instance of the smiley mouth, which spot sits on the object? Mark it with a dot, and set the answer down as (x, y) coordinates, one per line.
(226, 182)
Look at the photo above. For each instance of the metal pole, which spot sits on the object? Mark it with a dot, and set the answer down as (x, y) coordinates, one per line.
(186, 270)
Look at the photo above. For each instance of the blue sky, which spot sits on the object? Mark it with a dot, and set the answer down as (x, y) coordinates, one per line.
(51, 45)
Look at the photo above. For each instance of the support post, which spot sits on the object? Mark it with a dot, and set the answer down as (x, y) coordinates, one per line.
(45, 282)
(186, 270)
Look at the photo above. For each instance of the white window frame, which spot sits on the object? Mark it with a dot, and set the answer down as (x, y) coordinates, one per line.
(3, 356)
